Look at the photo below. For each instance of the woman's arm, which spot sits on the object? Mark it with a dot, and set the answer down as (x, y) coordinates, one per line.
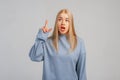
(37, 50)
(81, 64)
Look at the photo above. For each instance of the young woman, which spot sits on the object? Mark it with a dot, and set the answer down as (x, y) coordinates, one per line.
(63, 54)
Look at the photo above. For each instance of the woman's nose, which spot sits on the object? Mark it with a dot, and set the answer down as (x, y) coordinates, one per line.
(63, 22)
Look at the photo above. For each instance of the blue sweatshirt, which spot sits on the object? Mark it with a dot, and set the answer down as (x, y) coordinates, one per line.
(62, 65)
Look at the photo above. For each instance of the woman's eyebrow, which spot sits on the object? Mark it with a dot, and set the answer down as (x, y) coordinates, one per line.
(67, 18)
(61, 18)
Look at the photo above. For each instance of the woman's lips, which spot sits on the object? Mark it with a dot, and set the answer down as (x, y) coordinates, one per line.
(62, 28)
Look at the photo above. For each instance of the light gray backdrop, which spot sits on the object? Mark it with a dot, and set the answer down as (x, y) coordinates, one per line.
(96, 21)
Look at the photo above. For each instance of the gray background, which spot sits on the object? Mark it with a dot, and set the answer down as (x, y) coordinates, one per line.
(96, 21)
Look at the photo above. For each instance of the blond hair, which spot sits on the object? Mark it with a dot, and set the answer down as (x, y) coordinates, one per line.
(72, 39)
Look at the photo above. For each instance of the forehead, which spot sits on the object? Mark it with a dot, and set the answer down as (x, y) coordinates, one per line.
(63, 15)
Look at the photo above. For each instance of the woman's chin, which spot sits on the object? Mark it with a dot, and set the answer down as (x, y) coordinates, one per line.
(62, 32)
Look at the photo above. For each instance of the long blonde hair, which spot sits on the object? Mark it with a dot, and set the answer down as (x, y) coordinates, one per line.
(72, 39)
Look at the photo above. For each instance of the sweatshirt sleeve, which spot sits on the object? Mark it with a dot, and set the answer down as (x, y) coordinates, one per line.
(36, 52)
(81, 63)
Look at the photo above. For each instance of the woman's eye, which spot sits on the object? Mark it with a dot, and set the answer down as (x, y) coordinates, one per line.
(59, 19)
(67, 20)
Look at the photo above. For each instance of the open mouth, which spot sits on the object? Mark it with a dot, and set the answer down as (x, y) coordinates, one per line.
(62, 28)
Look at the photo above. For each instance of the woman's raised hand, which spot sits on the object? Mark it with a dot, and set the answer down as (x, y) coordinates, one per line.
(45, 27)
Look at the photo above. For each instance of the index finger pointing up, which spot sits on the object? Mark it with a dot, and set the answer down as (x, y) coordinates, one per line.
(46, 23)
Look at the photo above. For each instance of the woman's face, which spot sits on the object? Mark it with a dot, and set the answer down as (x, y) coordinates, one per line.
(63, 23)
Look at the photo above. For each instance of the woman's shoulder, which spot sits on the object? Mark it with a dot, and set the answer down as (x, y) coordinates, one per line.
(82, 44)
